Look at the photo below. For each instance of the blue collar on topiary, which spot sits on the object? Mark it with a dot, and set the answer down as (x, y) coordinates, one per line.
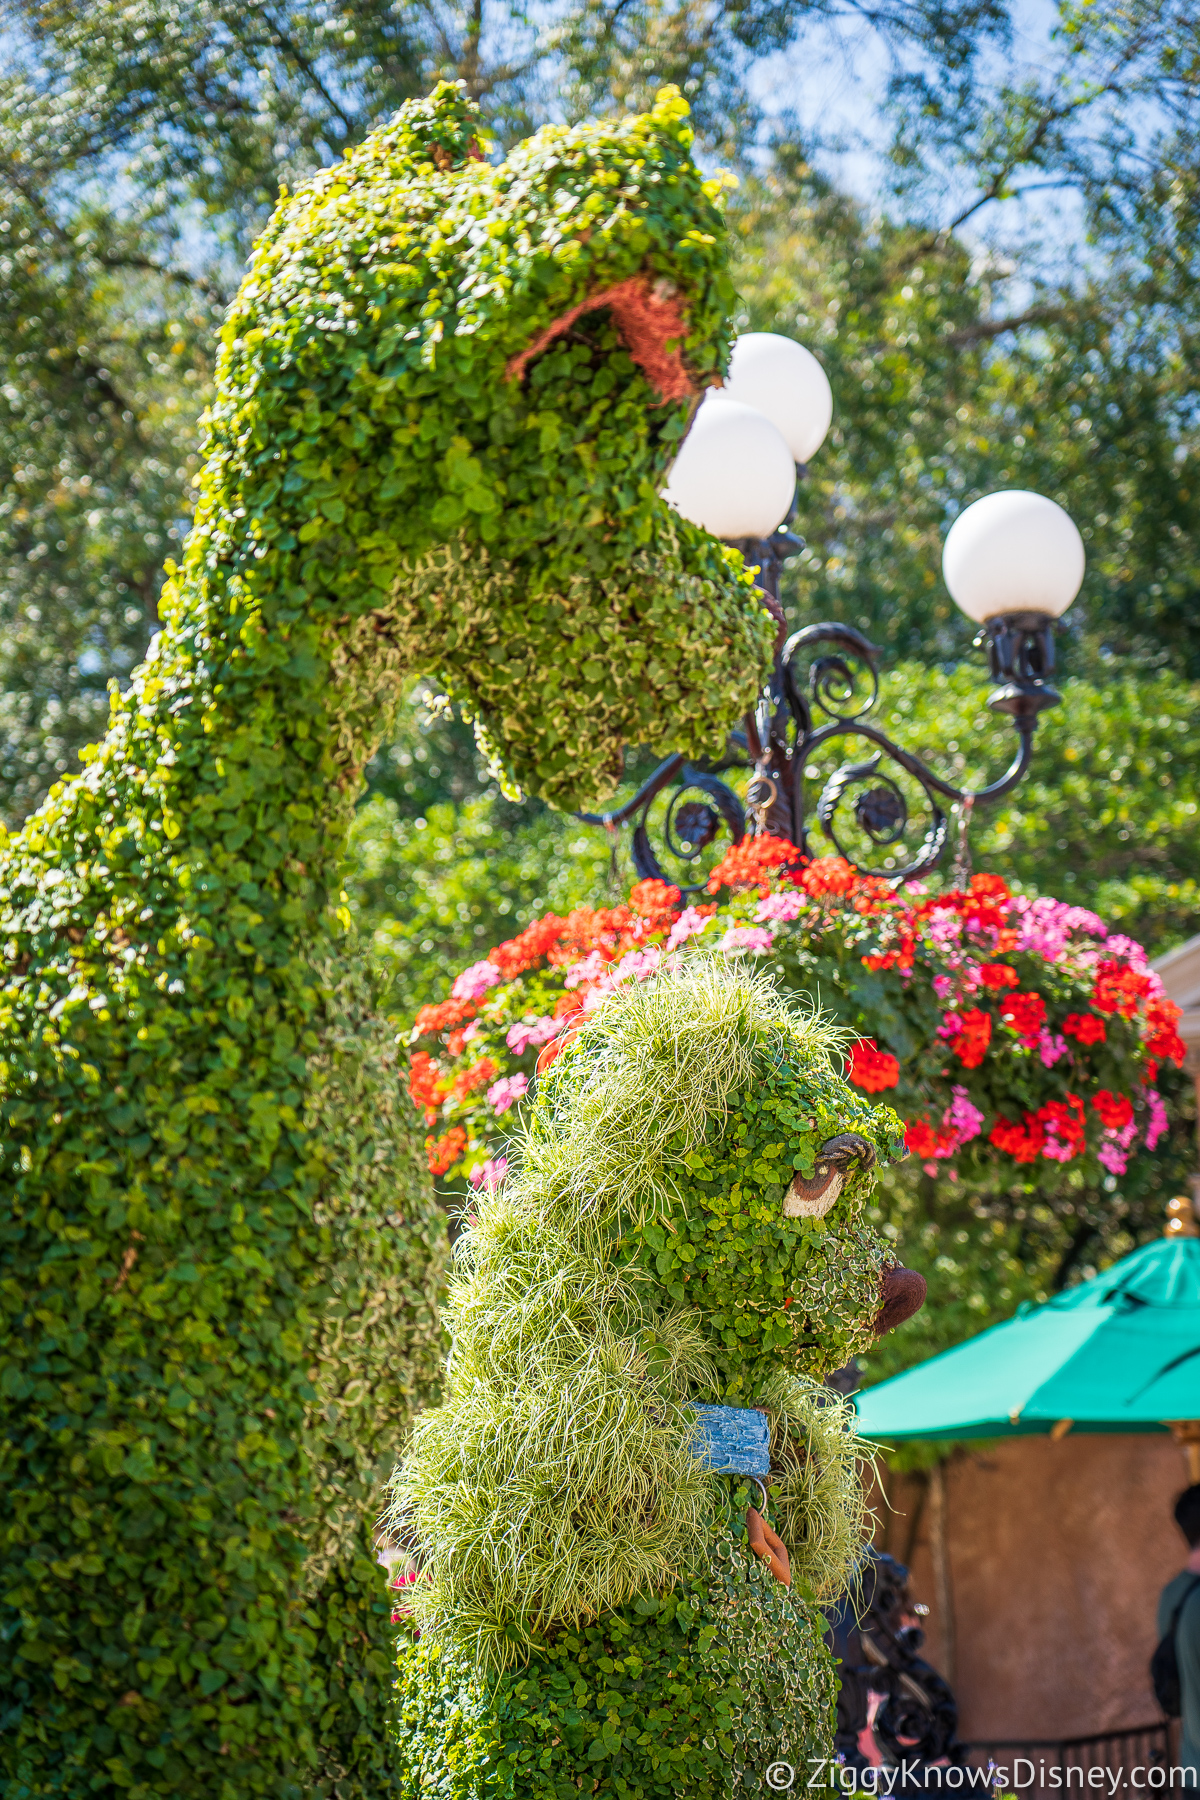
(733, 1440)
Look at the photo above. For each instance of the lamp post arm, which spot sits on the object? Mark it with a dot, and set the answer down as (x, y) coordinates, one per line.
(883, 811)
(653, 785)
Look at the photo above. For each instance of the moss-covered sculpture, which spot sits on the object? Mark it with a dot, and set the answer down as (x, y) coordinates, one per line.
(684, 1226)
(445, 400)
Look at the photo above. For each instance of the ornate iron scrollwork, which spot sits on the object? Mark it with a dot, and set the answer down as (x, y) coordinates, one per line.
(690, 825)
(783, 736)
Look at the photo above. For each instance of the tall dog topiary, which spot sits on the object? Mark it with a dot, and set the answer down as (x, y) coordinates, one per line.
(684, 1226)
(446, 399)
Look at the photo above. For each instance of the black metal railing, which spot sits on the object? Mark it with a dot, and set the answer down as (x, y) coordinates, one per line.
(1141, 1747)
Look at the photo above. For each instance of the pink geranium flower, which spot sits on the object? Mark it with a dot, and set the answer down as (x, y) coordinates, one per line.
(474, 982)
(491, 1174)
(507, 1092)
(755, 938)
(529, 1032)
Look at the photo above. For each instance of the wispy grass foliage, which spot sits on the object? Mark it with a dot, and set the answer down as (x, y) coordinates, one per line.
(653, 1072)
(558, 1481)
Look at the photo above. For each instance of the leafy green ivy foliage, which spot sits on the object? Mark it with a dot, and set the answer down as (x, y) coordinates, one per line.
(376, 457)
(696, 1693)
(638, 1261)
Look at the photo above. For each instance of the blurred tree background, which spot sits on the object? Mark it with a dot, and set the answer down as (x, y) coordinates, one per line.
(1008, 297)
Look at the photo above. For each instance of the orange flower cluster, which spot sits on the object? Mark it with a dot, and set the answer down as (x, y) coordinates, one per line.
(477, 1076)
(609, 929)
(752, 863)
(656, 903)
(442, 1017)
(528, 948)
(872, 1068)
(833, 878)
(425, 1085)
(446, 1150)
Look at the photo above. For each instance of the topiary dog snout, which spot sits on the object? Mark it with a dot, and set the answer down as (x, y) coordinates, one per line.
(901, 1295)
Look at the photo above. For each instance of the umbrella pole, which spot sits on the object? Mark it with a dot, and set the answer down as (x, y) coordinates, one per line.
(939, 1546)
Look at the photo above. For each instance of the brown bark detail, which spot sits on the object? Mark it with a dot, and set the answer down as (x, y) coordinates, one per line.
(652, 325)
(127, 1261)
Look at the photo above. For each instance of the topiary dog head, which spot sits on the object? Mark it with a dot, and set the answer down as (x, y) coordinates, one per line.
(448, 395)
(701, 1124)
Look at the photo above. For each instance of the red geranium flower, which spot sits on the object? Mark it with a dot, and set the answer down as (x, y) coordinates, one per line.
(1118, 987)
(1064, 1124)
(974, 1036)
(1022, 1142)
(1115, 1110)
(998, 976)
(1025, 1014)
(872, 1068)
(1163, 1040)
(1086, 1027)
(921, 1139)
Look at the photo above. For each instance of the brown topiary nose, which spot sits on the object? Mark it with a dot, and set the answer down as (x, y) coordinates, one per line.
(901, 1294)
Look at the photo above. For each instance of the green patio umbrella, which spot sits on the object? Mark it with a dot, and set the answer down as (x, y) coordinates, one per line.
(1120, 1352)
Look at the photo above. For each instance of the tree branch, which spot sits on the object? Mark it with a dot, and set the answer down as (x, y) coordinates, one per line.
(282, 41)
(985, 329)
(184, 277)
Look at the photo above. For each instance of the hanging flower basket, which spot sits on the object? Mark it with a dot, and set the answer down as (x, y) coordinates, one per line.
(1013, 1034)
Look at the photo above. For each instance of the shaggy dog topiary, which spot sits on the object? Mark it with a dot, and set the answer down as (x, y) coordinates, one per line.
(685, 1225)
(446, 398)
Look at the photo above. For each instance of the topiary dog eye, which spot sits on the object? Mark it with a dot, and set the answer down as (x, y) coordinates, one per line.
(812, 1198)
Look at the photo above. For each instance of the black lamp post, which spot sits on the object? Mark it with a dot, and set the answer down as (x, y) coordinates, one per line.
(1013, 563)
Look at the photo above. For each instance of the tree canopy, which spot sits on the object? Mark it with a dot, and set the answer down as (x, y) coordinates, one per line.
(141, 147)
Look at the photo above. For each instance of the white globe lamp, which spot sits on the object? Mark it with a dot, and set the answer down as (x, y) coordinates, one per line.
(1013, 552)
(734, 475)
(785, 382)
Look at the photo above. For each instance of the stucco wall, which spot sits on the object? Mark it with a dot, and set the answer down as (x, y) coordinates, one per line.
(1057, 1553)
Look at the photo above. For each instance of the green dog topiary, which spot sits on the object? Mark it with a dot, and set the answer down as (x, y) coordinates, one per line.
(446, 399)
(684, 1226)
